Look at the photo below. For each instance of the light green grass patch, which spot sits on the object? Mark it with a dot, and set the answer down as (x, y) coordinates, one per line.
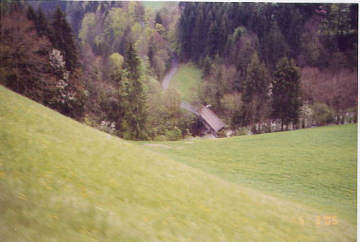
(64, 181)
(157, 5)
(187, 82)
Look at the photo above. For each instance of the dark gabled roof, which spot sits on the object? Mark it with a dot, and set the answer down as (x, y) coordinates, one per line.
(211, 119)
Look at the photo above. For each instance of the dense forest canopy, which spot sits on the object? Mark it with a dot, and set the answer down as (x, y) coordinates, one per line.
(102, 62)
(252, 38)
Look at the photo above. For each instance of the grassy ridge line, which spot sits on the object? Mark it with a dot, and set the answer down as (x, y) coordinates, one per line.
(316, 166)
(61, 179)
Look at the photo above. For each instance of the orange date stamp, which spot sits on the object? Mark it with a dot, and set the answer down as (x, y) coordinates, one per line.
(323, 220)
(326, 220)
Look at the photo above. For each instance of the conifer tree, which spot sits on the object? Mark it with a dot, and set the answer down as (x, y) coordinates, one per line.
(212, 40)
(286, 92)
(62, 39)
(40, 21)
(132, 97)
(31, 15)
(158, 19)
(257, 79)
(132, 63)
(255, 89)
(42, 25)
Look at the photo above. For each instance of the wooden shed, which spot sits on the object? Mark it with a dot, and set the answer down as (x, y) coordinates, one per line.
(210, 120)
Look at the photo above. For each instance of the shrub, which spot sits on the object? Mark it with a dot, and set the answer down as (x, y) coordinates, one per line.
(323, 114)
(242, 131)
(88, 121)
(160, 138)
(173, 134)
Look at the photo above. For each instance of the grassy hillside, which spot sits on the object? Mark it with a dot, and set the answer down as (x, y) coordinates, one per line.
(316, 166)
(186, 81)
(62, 180)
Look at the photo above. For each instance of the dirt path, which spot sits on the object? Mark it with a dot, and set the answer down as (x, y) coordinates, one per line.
(166, 81)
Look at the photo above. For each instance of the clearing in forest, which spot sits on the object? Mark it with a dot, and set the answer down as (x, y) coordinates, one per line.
(187, 82)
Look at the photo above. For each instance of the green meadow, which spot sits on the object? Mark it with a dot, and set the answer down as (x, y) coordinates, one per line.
(61, 180)
(316, 167)
(187, 81)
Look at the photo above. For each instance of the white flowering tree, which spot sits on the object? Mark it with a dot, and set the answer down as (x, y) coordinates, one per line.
(64, 93)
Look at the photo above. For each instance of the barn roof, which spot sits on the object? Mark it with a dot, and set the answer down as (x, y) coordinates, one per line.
(211, 119)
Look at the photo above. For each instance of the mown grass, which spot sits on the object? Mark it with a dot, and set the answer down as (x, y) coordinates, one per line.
(187, 82)
(316, 167)
(61, 180)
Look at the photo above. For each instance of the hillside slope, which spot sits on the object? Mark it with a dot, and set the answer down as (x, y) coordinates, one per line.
(61, 179)
(316, 167)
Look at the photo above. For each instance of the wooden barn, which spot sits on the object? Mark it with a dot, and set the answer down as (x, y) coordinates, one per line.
(210, 120)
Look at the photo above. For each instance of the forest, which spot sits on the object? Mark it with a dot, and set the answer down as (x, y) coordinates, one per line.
(102, 63)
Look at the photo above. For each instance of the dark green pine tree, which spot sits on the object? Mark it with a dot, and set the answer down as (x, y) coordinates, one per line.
(151, 55)
(286, 92)
(42, 25)
(257, 80)
(132, 63)
(31, 15)
(186, 23)
(132, 97)
(158, 19)
(62, 39)
(255, 90)
(40, 21)
(197, 40)
(212, 40)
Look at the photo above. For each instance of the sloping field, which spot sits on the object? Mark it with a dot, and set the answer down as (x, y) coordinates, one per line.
(62, 180)
(316, 167)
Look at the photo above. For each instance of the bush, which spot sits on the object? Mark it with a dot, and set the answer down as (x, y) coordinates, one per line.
(242, 131)
(323, 114)
(174, 134)
(187, 134)
(160, 138)
(88, 121)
